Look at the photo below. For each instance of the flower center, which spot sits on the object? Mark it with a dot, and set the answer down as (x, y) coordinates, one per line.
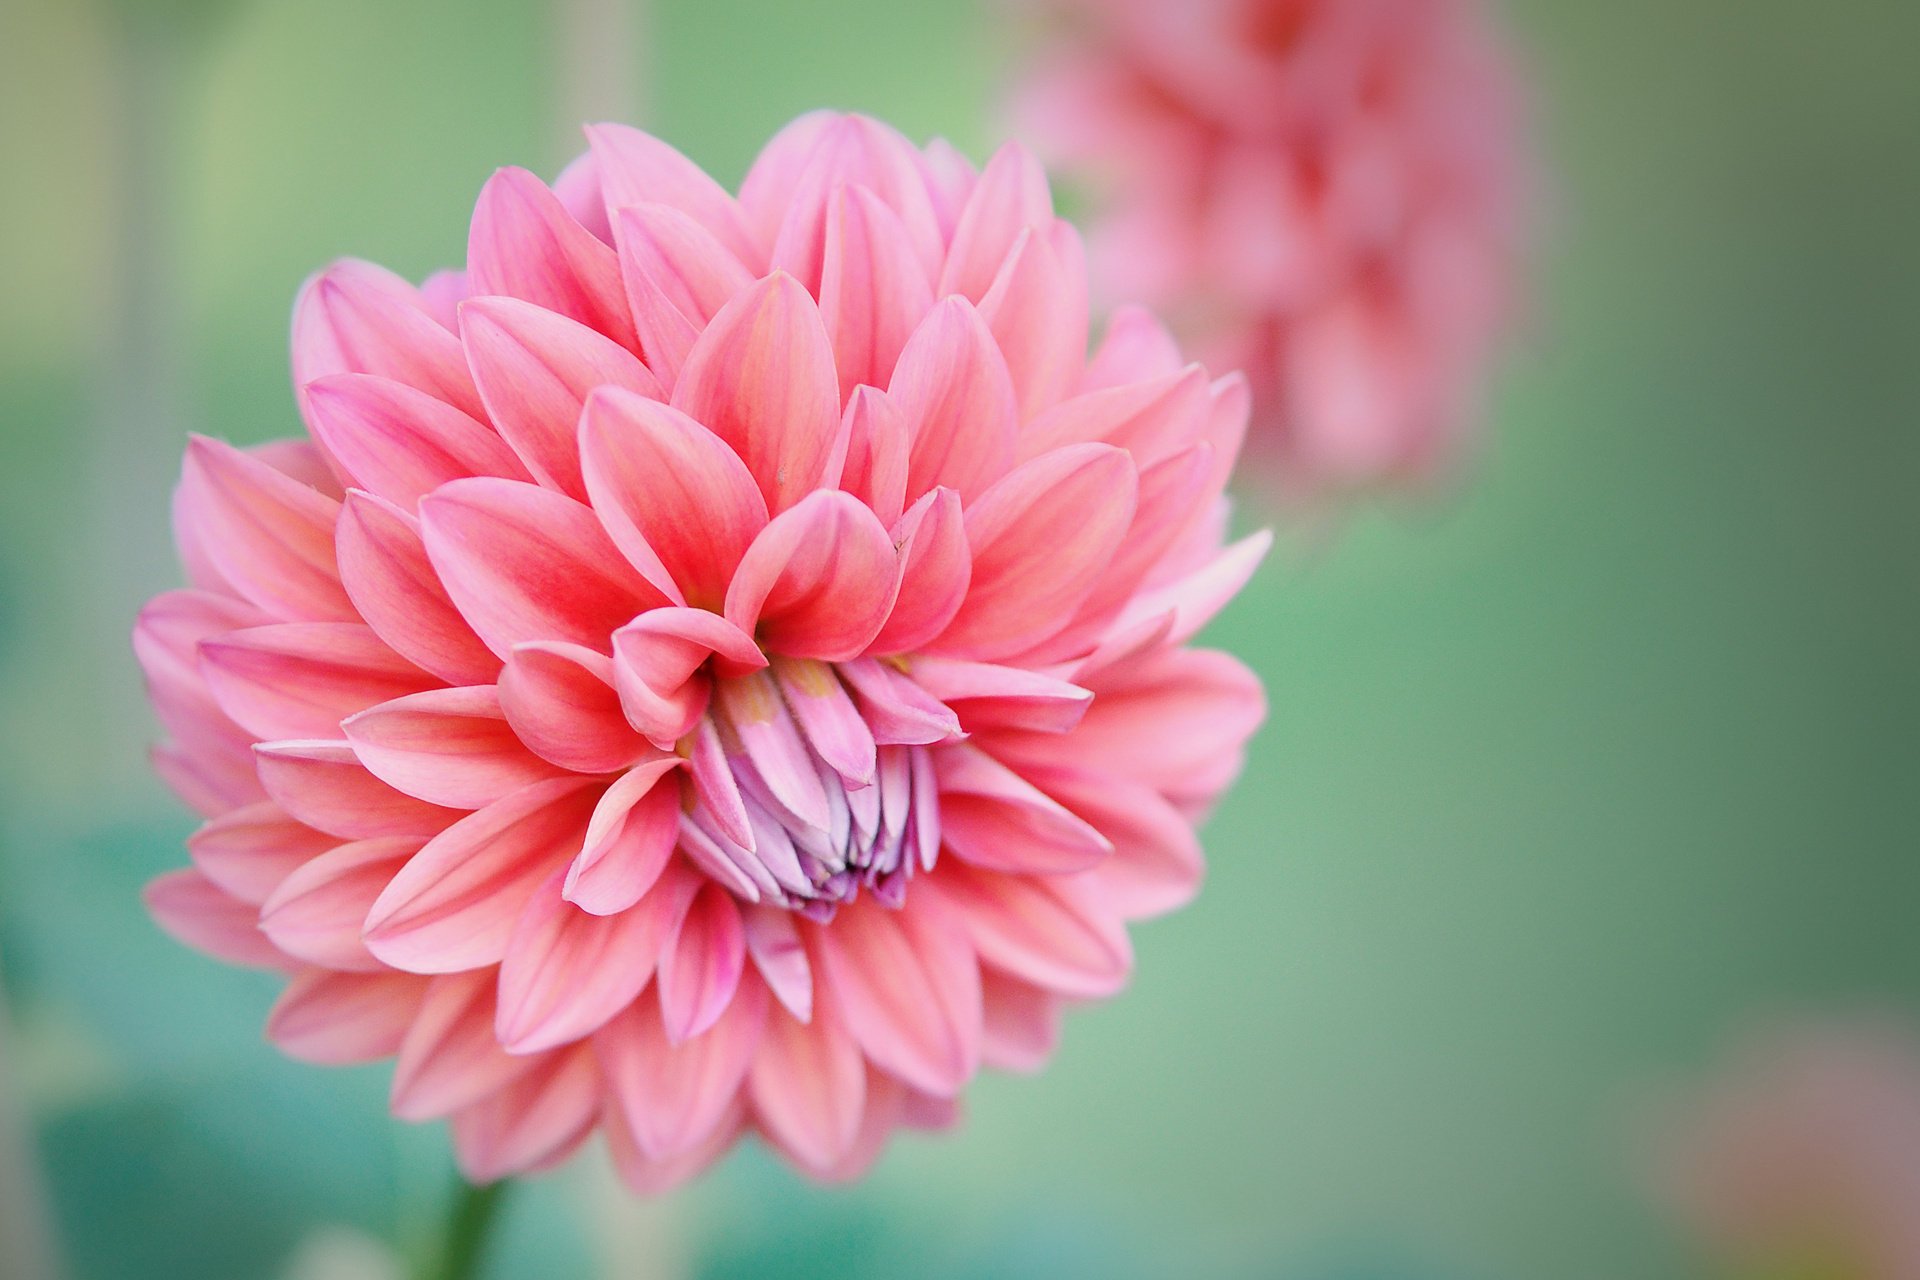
(810, 781)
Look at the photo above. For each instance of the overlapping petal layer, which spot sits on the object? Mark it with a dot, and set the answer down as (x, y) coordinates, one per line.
(722, 668)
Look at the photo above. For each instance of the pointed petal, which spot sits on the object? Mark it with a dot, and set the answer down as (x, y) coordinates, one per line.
(1010, 196)
(317, 912)
(992, 817)
(1157, 862)
(341, 1018)
(450, 1058)
(909, 985)
(533, 1122)
(1040, 538)
(524, 244)
(873, 290)
(385, 570)
(672, 495)
(446, 746)
(762, 378)
(638, 168)
(356, 317)
(773, 941)
(567, 971)
(1150, 419)
(269, 536)
(400, 443)
(818, 581)
(535, 369)
(1136, 346)
(248, 851)
(193, 910)
(560, 700)
(852, 151)
(936, 565)
(658, 667)
(1053, 931)
(301, 679)
(953, 389)
(808, 1084)
(896, 708)
(825, 712)
(769, 739)
(676, 275)
(1037, 310)
(984, 695)
(875, 470)
(1021, 1023)
(633, 832)
(672, 1095)
(453, 906)
(322, 783)
(524, 563)
(700, 968)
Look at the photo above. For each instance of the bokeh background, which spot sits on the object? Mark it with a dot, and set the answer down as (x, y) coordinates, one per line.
(1570, 774)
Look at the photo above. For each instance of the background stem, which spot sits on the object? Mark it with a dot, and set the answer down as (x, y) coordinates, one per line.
(470, 1222)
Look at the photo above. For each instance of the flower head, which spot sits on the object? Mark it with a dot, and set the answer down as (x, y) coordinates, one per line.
(1322, 192)
(717, 665)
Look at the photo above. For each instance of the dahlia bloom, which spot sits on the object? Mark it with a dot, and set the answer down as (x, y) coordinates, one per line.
(1323, 193)
(716, 664)
(1802, 1158)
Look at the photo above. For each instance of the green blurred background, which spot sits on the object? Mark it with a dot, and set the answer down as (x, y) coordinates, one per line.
(1568, 776)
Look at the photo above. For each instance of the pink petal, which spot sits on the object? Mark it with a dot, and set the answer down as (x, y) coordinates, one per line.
(633, 832)
(766, 194)
(700, 968)
(648, 1177)
(454, 904)
(1010, 196)
(875, 470)
(560, 700)
(322, 783)
(873, 289)
(658, 667)
(1196, 598)
(450, 1058)
(1157, 863)
(441, 294)
(535, 369)
(356, 317)
(762, 378)
(1136, 346)
(780, 957)
(1149, 419)
(677, 276)
(909, 986)
(446, 746)
(1037, 310)
(671, 1095)
(808, 1084)
(715, 788)
(672, 495)
(524, 244)
(984, 695)
(1021, 1023)
(826, 714)
(317, 912)
(953, 389)
(341, 1018)
(768, 738)
(638, 168)
(525, 563)
(818, 581)
(193, 910)
(209, 785)
(1052, 931)
(992, 817)
(896, 708)
(248, 851)
(1040, 538)
(567, 971)
(269, 536)
(386, 572)
(936, 566)
(166, 640)
(533, 1122)
(856, 151)
(400, 443)
(301, 679)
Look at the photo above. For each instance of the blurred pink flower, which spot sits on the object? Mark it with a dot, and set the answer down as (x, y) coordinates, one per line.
(718, 664)
(1324, 193)
(1803, 1156)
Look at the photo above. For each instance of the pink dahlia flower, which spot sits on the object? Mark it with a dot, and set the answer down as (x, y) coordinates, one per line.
(1321, 192)
(718, 664)
(1803, 1157)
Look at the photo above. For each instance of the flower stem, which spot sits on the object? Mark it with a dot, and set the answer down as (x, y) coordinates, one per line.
(470, 1221)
